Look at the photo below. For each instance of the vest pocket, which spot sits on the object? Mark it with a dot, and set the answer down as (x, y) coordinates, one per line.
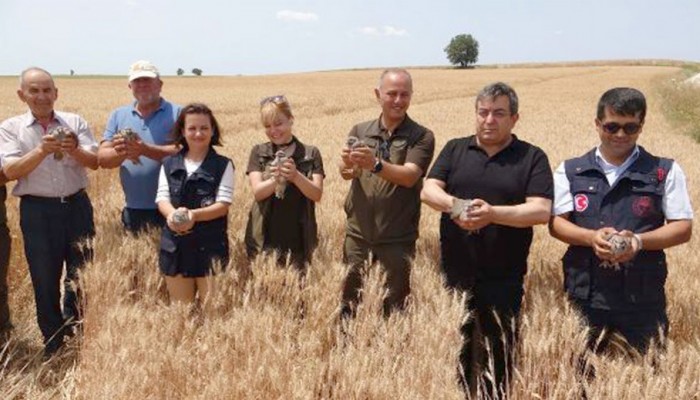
(398, 151)
(577, 276)
(645, 281)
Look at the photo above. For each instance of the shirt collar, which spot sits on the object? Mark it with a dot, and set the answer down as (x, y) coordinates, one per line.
(406, 120)
(30, 120)
(160, 107)
(603, 163)
(473, 144)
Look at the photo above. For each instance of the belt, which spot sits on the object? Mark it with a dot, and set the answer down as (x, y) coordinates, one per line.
(56, 200)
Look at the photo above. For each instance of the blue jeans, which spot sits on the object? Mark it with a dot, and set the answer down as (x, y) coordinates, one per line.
(54, 232)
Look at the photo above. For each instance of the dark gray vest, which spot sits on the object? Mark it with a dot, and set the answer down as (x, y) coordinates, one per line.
(633, 203)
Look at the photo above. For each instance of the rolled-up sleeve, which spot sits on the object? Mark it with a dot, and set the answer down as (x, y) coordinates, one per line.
(676, 201)
(563, 202)
(422, 153)
(10, 149)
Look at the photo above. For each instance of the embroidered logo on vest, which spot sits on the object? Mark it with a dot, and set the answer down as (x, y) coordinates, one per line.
(581, 202)
(642, 206)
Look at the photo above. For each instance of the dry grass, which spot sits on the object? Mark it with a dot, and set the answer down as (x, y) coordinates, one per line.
(681, 101)
(274, 336)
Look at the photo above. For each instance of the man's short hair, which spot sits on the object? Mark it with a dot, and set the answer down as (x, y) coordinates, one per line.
(494, 90)
(623, 101)
(398, 71)
(32, 69)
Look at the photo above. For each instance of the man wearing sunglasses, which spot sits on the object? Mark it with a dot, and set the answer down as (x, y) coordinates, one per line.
(619, 193)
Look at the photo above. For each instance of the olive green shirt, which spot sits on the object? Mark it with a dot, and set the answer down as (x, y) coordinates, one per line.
(379, 211)
(289, 223)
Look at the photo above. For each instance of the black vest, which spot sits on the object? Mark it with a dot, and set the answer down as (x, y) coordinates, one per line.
(196, 191)
(633, 203)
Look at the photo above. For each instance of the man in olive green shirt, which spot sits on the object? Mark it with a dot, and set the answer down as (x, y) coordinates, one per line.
(386, 167)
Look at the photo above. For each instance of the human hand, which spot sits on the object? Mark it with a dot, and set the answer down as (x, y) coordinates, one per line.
(273, 172)
(134, 148)
(363, 157)
(49, 145)
(181, 221)
(119, 145)
(628, 251)
(288, 170)
(69, 144)
(479, 215)
(345, 157)
(600, 244)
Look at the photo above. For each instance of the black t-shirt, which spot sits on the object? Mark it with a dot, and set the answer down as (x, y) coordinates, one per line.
(495, 252)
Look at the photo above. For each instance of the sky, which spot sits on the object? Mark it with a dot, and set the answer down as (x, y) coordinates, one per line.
(228, 37)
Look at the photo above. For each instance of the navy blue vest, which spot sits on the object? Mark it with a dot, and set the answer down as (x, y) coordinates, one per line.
(196, 191)
(633, 203)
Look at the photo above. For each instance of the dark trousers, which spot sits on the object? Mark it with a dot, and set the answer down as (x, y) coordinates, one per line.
(137, 220)
(5, 247)
(53, 234)
(396, 260)
(637, 327)
(491, 335)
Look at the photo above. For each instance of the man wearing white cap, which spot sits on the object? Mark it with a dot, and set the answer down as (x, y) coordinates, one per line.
(150, 118)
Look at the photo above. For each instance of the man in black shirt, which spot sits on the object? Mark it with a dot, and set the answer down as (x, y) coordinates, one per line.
(484, 247)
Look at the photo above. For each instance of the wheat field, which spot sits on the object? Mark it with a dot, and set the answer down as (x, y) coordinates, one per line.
(274, 336)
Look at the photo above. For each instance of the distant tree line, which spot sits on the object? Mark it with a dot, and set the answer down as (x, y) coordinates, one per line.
(195, 71)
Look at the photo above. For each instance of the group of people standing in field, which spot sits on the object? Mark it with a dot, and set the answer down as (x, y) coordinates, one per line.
(618, 206)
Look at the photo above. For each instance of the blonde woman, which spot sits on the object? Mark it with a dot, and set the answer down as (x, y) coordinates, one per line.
(287, 180)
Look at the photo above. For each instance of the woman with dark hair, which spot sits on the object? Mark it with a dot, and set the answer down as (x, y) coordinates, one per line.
(195, 190)
(287, 180)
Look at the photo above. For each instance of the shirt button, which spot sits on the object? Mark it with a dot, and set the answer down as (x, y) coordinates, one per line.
(602, 223)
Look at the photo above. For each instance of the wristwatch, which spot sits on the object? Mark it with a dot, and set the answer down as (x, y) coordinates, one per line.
(378, 166)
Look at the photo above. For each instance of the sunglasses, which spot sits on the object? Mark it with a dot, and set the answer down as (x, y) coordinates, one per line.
(630, 128)
(278, 99)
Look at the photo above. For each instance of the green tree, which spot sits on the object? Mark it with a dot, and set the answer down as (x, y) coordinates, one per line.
(197, 71)
(463, 50)
(180, 72)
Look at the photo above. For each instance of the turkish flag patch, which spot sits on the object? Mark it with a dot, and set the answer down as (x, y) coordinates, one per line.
(660, 174)
(580, 202)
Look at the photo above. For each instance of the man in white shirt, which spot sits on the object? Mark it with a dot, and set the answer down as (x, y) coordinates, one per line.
(55, 211)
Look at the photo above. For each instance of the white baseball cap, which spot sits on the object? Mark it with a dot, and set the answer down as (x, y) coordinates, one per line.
(143, 69)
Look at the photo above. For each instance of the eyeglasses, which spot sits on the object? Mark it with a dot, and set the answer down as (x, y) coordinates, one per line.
(630, 128)
(278, 99)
